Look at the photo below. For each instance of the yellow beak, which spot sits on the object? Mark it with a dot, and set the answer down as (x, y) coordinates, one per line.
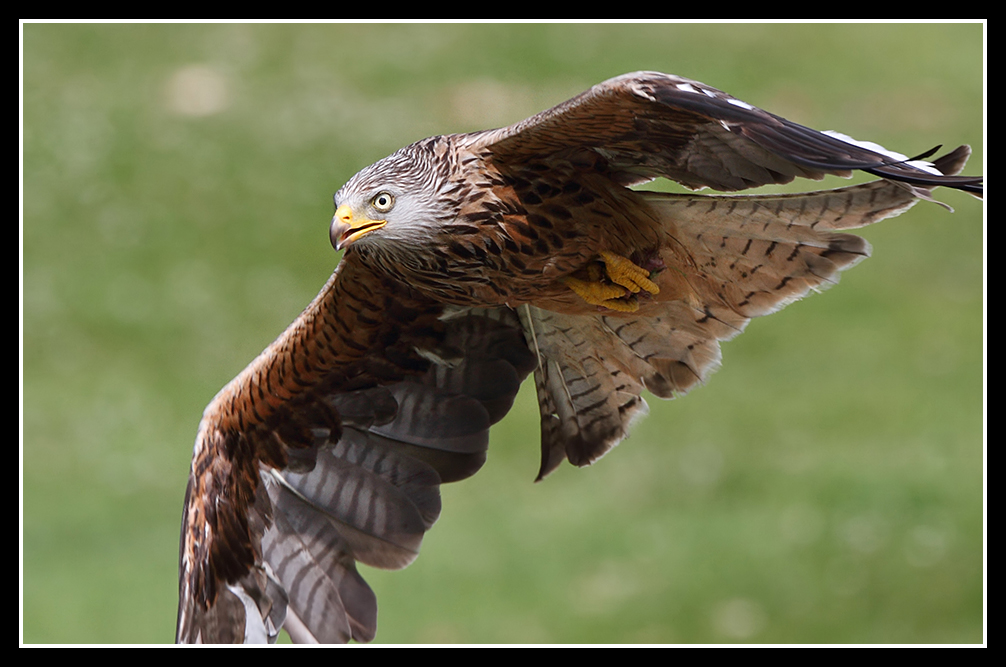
(347, 229)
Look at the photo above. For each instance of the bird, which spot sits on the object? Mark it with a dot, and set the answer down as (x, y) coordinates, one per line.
(472, 261)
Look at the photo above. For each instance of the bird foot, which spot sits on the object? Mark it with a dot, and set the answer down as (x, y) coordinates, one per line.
(616, 288)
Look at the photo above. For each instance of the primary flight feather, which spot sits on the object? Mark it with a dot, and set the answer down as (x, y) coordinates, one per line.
(471, 261)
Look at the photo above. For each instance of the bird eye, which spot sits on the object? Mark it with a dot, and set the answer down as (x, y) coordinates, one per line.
(383, 202)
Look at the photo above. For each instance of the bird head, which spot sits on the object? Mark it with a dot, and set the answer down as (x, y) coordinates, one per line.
(351, 223)
(392, 201)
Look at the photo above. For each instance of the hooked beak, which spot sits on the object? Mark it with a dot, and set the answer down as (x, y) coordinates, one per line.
(347, 230)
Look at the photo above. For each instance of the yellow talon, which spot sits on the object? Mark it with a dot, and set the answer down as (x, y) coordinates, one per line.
(594, 292)
(623, 272)
(627, 305)
(614, 287)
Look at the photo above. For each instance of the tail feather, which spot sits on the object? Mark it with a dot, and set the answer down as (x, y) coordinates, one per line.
(587, 398)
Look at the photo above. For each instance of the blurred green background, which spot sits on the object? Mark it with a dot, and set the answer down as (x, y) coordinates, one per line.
(827, 486)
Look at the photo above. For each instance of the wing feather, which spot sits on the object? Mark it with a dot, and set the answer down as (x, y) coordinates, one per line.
(374, 413)
(650, 124)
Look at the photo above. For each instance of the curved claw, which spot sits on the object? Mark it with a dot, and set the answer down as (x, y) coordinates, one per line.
(616, 288)
(624, 272)
(595, 292)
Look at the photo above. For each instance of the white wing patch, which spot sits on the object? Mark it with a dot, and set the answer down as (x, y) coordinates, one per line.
(877, 148)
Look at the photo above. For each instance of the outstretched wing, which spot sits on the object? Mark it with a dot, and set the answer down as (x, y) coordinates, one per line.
(727, 258)
(329, 450)
(650, 124)
(732, 258)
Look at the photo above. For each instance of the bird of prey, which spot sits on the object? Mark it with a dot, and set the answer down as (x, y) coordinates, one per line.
(472, 261)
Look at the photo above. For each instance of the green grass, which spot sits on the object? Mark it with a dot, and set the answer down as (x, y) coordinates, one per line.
(826, 486)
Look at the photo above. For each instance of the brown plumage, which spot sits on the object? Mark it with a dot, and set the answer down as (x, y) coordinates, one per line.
(471, 261)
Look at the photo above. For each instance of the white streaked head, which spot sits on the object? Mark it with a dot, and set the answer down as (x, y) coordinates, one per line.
(394, 200)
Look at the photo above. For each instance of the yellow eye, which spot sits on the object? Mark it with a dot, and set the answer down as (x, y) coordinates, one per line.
(383, 202)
